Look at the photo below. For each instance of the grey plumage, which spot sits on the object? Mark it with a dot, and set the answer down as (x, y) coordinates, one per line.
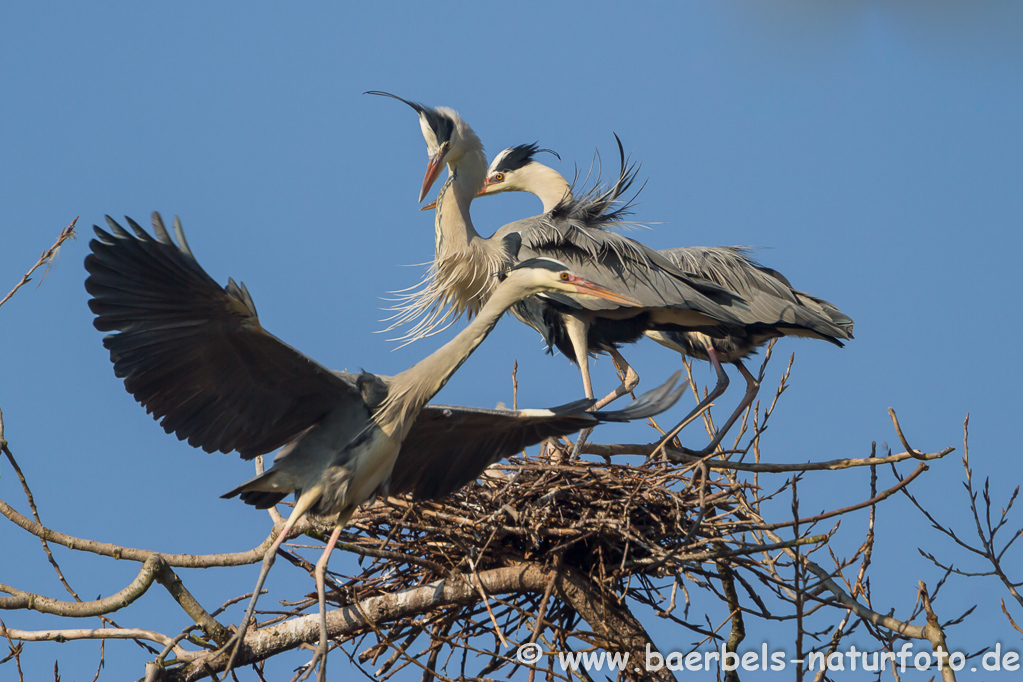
(773, 307)
(574, 232)
(195, 355)
(777, 308)
(447, 438)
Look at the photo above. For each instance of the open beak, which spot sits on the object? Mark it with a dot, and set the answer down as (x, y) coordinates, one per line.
(483, 192)
(588, 288)
(433, 169)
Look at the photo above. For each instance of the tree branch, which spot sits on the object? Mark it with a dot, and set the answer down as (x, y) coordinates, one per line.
(251, 556)
(95, 633)
(35, 602)
(45, 259)
(647, 450)
(350, 620)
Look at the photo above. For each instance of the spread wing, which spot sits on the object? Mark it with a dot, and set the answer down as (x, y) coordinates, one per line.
(194, 354)
(449, 446)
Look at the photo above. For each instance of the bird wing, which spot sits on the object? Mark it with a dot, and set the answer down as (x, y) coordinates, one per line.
(621, 264)
(772, 300)
(449, 446)
(194, 354)
(576, 233)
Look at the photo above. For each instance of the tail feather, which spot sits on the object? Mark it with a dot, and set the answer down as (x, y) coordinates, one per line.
(263, 491)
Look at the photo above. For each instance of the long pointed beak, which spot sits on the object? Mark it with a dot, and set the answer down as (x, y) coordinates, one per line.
(489, 188)
(588, 288)
(482, 193)
(433, 169)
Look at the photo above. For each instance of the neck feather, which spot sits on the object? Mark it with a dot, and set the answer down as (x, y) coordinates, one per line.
(545, 182)
(453, 224)
(410, 390)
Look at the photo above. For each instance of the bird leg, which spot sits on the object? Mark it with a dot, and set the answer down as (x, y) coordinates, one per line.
(302, 505)
(321, 596)
(578, 331)
(719, 388)
(752, 388)
(629, 380)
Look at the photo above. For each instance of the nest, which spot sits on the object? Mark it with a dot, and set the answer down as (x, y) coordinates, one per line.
(617, 518)
(623, 527)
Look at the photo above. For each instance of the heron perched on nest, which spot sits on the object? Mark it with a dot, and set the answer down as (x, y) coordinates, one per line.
(776, 309)
(195, 355)
(466, 266)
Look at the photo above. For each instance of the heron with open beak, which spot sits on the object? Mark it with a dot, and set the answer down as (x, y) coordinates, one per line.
(195, 355)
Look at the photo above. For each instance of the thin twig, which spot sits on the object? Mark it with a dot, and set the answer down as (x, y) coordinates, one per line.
(49, 255)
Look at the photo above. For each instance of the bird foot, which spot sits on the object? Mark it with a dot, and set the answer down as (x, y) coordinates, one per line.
(554, 452)
(630, 380)
(233, 645)
(320, 657)
(579, 442)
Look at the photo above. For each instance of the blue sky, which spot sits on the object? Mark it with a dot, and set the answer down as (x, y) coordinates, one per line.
(874, 152)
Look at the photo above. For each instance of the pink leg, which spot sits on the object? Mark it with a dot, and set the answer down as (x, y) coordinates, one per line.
(719, 388)
(303, 503)
(321, 596)
(752, 388)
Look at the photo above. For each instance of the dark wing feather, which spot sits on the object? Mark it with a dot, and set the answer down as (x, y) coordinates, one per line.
(575, 233)
(773, 303)
(652, 284)
(450, 446)
(194, 354)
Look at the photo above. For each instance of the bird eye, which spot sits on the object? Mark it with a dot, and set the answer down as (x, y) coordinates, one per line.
(564, 277)
(498, 177)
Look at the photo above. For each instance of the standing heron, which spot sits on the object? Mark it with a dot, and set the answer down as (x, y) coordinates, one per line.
(195, 355)
(464, 272)
(777, 308)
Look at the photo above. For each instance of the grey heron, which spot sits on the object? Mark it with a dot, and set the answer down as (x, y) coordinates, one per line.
(777, 308)
(196, 357)
(463, 274)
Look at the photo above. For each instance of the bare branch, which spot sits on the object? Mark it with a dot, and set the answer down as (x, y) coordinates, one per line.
(351, 620)
(131, 554)
(647, 450)
(46, 259)
(35, 602)
(96, 633)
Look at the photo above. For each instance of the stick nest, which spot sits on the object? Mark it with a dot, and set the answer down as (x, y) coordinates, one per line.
(617, 519)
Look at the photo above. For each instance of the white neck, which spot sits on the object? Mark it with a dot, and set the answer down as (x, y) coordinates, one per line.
(452, 224)
(410, 390)
(545, 182)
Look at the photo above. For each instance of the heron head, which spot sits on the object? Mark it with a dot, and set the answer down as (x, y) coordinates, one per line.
(448, 137)
(514, 170)
(538, 275)
(509, 169)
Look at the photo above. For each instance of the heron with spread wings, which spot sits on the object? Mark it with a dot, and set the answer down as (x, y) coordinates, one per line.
(195, 355)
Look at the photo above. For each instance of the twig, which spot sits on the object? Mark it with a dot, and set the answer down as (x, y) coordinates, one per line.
(46, 259)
